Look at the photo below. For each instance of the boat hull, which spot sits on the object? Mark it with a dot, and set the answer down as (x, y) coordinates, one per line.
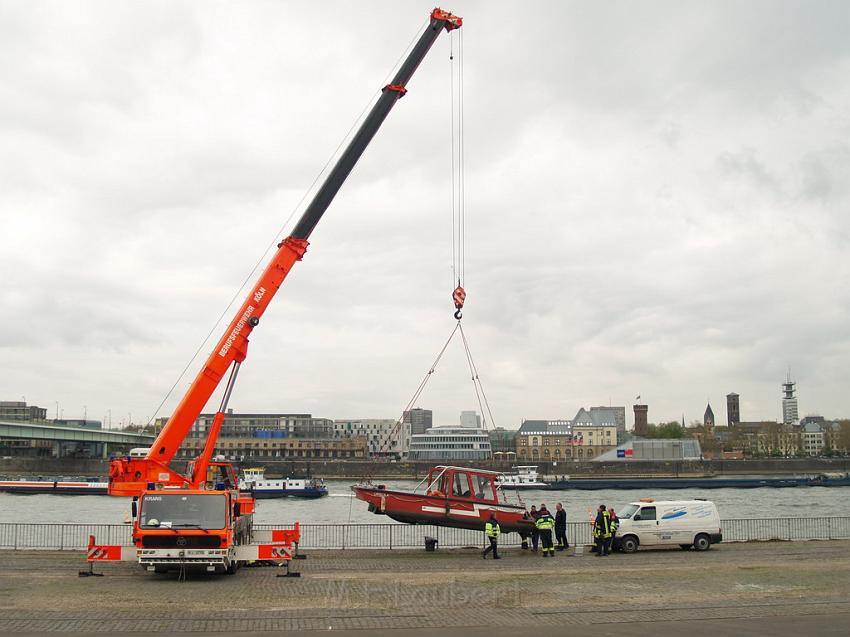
(415, 508)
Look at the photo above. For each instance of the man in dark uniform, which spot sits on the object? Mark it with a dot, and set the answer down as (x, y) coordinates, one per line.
(492, 531)
(561, 527)
(545, 523)
(602, 531)
(535, 534)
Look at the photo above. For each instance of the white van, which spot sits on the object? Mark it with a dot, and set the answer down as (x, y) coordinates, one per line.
(688, 523)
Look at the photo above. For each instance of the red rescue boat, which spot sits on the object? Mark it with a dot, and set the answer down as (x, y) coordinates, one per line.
(450, 496)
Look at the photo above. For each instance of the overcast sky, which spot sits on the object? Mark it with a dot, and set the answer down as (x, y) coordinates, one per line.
(657, 205)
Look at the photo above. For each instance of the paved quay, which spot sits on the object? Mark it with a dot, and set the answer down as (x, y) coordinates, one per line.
(776, 588)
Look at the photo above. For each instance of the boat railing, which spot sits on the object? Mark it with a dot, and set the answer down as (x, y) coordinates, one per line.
(37, 536)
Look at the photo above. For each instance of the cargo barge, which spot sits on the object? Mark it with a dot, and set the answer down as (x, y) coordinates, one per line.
(57, 486)
(598, 484)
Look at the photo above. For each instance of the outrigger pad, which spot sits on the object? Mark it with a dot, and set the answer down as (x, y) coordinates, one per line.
(288, 573)
(90, 572)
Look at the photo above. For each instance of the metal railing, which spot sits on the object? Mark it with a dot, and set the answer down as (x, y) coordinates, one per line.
(19, 536)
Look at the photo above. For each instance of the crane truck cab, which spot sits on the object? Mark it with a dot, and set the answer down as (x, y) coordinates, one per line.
(190, 529)
(688, 523)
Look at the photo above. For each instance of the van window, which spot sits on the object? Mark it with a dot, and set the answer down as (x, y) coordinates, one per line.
(647, 513)
(628, 511)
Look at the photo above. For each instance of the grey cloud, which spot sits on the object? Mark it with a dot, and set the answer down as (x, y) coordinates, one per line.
(656, 204)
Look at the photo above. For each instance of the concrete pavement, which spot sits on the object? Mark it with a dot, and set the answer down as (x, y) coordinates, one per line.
(778, 588)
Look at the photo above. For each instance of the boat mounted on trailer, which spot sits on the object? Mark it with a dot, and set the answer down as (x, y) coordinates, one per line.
(456, 497)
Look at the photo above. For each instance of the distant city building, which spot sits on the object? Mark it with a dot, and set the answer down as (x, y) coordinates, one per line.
(18, 410)
(273, 436)
(503, 443)
(616, 415)
(387, 438)
(450, 443)
(641, 423)
(733, 409)
(768, 438)
(656, 449)
(818, 436)
(584, 437)
(470, 419)
(237, 425)
(790, 415)
(812, 438)
(263, 447)
(708, 417)
(420, 420)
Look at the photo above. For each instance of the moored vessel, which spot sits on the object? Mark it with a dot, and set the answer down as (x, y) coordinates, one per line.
(255, 480)
(594, 484)
(57, 486)
(523, 477)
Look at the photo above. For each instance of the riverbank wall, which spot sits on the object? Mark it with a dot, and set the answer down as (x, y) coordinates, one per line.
(348, 469)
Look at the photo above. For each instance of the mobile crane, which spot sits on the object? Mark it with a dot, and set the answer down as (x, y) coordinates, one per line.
(199, 519)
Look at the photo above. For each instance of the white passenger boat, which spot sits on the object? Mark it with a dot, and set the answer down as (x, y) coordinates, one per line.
(523, 477)
(255, 480)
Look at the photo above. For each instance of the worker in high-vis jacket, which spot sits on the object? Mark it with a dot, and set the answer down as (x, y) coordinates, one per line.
(492, 531)
(545, 523)
(615, 524)
(602, 531)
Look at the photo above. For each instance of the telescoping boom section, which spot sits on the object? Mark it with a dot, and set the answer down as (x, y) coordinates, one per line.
(130, 476)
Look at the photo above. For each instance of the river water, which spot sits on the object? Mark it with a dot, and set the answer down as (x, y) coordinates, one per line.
(340, 508)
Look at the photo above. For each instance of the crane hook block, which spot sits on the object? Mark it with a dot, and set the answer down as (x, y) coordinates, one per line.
(458, 296)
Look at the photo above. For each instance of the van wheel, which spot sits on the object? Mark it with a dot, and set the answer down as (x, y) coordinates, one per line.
(685, 547)
(702, 542)
(629, 544)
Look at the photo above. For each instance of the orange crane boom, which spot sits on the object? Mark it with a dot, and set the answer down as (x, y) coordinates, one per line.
(132, 476)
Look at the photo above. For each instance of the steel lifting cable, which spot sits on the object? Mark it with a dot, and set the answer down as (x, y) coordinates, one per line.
(279, 234)
(458, 207)
(420, 388)
(475, 378)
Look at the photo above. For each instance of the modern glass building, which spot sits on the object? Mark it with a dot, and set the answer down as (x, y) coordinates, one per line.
(450, 443)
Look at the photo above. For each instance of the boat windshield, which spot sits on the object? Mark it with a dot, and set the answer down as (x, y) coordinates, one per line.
(627, 511)
(182, 511)
(484, 488)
